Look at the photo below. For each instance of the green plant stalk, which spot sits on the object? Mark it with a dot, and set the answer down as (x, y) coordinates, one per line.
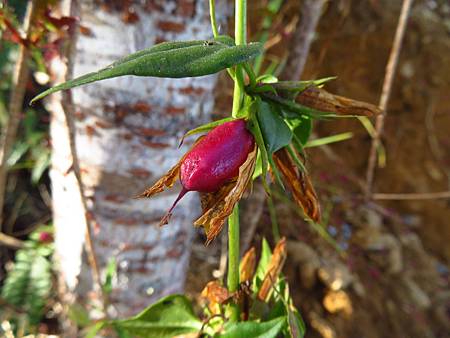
(212, 15)
(273, 219)
(240, 36)
(233, 220)
(233, 259)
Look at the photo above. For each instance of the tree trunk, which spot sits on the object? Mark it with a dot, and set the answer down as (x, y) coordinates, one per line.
(127, 133)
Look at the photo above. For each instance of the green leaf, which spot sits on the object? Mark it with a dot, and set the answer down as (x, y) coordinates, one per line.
(297, 328)
(29, 283)
(276, 310)
(19, 150)
(94, 329)
(42, 163)
(258, 166)
(275, 131)
(111, 269)
(267, 78)
(266, 254)
(293, 88)
(301, 127)
(252, 329)
(329, 139)
(170, 316)
(169, 60)
(262, 151)
(205, 127)
(79, 315)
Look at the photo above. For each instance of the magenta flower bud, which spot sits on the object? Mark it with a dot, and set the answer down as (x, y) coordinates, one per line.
(216, 158)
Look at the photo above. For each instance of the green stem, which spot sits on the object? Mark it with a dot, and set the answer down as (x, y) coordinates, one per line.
(212, 15)
(233, 250)
(233, 220)
(240, 37)
(273, 219)
(233, 259)
(238, 90)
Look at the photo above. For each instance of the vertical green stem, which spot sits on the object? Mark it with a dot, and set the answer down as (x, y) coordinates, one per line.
(273, 219)
(212, 15)
(233, 250)
(233, 220)
(240, 36)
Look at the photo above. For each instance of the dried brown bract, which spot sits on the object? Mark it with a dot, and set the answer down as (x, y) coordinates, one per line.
(276, 264)
(322, 100)
(216, 294)
(219, 205)
(248, 265)
(299, 184)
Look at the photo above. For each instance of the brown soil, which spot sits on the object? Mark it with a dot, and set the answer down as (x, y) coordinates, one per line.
(394, 280)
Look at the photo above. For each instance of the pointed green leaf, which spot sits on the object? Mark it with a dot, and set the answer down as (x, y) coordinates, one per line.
(266, 254)
(170, 60)
(268, 329)
(301, 127)
(275, 131)
(170, 316)
(205, 127)
(296, 325)
(94, 329)
(262, 151)
(42, 164)
(329, 139)
(296, 87)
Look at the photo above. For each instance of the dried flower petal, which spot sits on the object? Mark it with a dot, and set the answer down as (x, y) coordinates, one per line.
(299, 183)
(322, 100)
(219, 205)
(276, 264)
(248, 265)
(216, 294)
(168, 180)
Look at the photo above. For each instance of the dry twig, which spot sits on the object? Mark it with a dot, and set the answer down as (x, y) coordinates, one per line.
(386, 92)
(18, 87)
(412, 196)
(302, 39)
(10, 241)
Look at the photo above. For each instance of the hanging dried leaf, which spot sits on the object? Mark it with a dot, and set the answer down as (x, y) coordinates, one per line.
(299, 184)
(276, 264)
(322, 100)
(218, 206)
(216, 294)
(248, 265)
(168, 180)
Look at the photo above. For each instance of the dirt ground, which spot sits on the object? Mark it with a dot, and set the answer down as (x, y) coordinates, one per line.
(393, 279)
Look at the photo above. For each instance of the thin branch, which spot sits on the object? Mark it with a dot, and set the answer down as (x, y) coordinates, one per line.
(303, 37)
(386, 92)
(10, 241)
(412, 196)
(18, 87)
(69, 110)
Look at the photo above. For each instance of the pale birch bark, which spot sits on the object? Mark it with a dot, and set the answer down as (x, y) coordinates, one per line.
(127, 133)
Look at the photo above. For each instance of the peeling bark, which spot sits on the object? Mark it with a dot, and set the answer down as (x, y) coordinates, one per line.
(127, 132)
